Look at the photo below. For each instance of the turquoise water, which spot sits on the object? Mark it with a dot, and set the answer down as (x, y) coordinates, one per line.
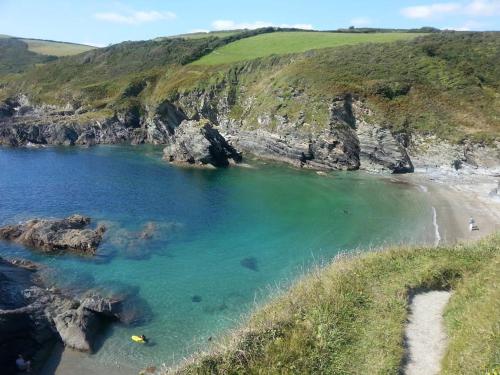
(224, 237)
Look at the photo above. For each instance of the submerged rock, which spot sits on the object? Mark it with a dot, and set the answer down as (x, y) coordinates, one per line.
(141, 243)
(149, 231)
(250, 263)
(196, 299)
(199, 143)
(49, 235)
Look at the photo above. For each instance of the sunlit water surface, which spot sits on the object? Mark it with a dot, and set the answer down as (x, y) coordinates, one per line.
(224, 237)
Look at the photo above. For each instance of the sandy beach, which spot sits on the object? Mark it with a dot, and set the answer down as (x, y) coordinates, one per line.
(65, 361)
(456, 198)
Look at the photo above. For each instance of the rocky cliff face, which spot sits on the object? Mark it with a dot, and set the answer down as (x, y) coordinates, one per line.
(198, 143)
(379, 149)
(198, 127)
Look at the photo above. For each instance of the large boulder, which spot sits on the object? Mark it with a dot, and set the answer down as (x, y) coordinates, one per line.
(110, 307)
(199, 143)
(77, 328)
(49, 235)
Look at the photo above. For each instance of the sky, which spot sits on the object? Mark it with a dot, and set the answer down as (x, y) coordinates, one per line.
(104, 22)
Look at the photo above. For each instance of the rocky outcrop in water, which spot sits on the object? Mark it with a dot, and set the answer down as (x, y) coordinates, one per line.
(47, 235)
(33, 317)
(199, 143)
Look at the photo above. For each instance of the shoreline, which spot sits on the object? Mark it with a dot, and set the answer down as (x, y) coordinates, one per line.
(456, 198)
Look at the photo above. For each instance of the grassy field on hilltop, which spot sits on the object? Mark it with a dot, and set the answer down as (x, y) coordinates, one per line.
(291, 42)
(18, 55)
(52, 48)
(16, 58)
(349, 317)
(217, 34)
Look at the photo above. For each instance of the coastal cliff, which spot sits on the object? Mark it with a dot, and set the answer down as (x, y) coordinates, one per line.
(377, 107)
(349, 141)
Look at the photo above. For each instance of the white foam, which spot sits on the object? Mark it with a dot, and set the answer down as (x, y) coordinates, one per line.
(423, 188)
(437, 237)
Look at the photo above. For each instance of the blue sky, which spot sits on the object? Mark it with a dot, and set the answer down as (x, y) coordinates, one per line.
(111, 21)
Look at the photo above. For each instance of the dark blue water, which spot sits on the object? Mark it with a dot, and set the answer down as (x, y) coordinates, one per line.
(222, 237)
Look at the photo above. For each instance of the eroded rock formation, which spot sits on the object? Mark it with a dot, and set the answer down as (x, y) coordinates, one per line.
(199, 143)
(47, 235)
(199, 128)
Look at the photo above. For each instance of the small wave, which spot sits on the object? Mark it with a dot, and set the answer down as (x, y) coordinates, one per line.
(437, 237)
(423, 188)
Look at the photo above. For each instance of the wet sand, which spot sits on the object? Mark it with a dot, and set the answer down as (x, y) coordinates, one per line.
(66, 361)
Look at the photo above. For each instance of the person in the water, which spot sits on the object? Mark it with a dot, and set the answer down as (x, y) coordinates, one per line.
(143, 338)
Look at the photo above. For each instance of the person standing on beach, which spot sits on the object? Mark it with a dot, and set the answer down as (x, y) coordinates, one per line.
(472, 224)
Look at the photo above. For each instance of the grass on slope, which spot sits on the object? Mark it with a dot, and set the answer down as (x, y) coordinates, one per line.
(291, 42)
(15, 56)
(217, 34)
(18, 55)
(52, 48)
(349, 317)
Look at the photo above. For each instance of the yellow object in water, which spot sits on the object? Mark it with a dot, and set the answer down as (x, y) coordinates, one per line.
(138, 339)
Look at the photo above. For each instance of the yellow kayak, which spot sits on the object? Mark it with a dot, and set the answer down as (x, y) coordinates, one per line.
(138, 339)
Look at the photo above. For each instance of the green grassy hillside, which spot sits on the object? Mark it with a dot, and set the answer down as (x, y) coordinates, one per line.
(446, 84)
(349, 317)
(292, 42)
(15, 57)
(18, 54)
(53, 48)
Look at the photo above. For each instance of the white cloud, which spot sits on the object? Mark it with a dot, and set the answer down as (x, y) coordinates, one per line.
(478, 8)
(360, 21)
(430, 11)
(135, 18)
(483, 8)
(232, 25)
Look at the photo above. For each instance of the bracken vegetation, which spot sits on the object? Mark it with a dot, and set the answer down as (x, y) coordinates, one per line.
(349, 317)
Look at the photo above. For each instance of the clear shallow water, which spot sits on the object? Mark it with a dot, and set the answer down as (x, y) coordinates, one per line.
(223, 236)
